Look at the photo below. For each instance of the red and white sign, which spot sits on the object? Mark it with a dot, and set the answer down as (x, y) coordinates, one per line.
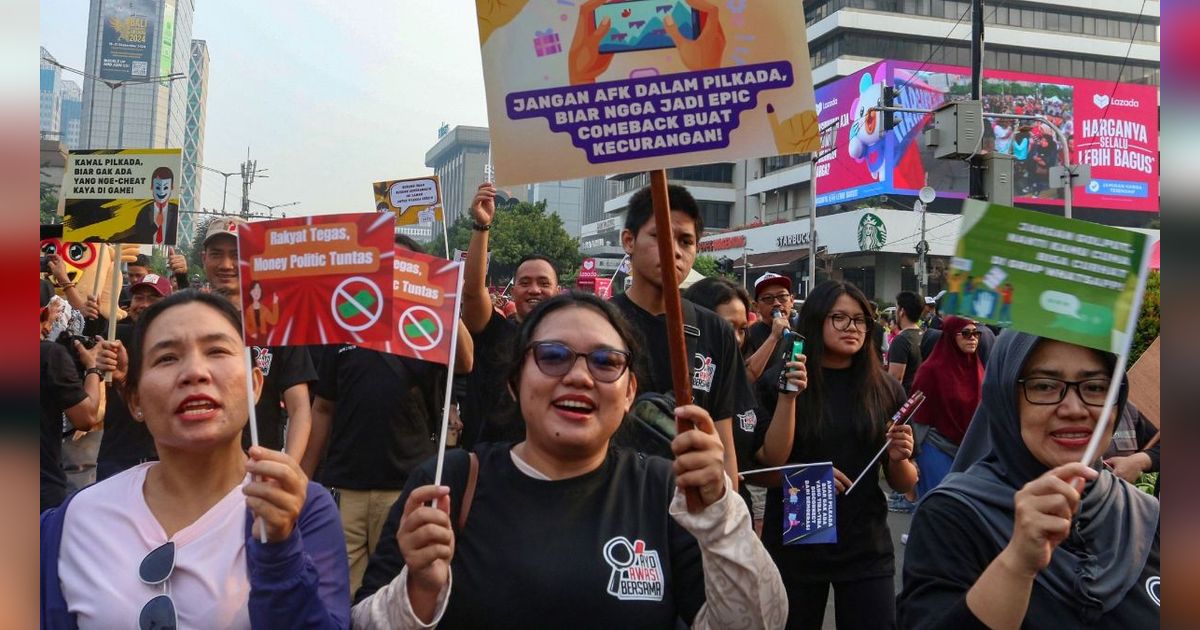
(424, 290)
(587, 273)
(604, 287)
(316, 280)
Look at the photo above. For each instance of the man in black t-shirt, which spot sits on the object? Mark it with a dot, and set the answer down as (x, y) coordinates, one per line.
(904, 355)
(718, 373)
(488, 413)
(63, 392)
(288, 371)
(773, 301)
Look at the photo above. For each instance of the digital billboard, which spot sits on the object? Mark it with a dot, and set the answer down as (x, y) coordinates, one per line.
(1111, 127)
(127, 39)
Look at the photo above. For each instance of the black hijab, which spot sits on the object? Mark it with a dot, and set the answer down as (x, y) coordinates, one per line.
(1102, 558)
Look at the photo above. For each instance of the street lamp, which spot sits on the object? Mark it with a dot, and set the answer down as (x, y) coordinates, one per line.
(225, 192)
(271, 209)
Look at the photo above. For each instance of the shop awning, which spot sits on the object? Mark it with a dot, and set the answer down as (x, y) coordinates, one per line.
(772, 259)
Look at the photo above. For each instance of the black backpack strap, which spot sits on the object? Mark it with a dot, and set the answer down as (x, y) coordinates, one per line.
(691, 327)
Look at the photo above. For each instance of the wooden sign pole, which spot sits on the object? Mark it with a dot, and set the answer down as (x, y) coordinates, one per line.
(681, 383)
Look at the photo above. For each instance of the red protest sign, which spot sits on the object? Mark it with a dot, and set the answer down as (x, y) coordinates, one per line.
(604, 287)
(424, 290)
(316, 280)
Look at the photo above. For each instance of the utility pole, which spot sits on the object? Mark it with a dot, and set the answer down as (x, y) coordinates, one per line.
(812, 206)
(976, 173)
(250, 171)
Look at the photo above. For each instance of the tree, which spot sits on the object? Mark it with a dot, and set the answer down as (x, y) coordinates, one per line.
(1148, 319)
(49, 203)
(518, 230)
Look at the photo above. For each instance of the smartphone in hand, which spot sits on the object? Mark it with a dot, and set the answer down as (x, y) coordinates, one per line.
(638, 24)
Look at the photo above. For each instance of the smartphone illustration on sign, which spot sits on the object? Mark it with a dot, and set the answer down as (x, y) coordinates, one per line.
(638, 24)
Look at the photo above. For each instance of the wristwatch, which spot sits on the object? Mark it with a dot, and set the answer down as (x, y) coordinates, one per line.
(94, 370)
(478, 227)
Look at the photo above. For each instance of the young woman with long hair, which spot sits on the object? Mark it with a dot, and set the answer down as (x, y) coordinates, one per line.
(841, 417)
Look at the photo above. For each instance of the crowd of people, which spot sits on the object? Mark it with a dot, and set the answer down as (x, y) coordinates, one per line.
(569, 498)
(1033, 145)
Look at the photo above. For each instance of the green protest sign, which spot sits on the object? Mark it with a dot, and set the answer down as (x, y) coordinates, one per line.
(1065, 279)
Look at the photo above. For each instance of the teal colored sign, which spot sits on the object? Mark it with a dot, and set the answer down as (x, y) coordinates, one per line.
(1046, 275)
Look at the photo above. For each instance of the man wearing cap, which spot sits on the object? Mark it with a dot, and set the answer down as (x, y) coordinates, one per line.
(126, 442)
(930, 317)
(773, 301)
(287, 371)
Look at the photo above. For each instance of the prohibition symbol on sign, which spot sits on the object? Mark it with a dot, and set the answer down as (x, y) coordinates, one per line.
(357, 303)
(420, 328)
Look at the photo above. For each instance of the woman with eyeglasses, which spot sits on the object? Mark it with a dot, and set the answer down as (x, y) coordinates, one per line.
(952, 380)
(563, 529)
(1028, 536)
(179, 542)
(842, 417)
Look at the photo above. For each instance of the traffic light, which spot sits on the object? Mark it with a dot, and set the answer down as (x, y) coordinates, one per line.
(889, 100)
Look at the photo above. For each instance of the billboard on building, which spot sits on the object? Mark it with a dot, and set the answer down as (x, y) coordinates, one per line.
(1111, 127)
(127, 39)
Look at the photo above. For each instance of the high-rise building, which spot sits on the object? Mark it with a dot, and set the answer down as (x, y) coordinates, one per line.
(460, 159)
(193, 142)
(51, 98)
(129, 43)
(565, 198)
(69, 116)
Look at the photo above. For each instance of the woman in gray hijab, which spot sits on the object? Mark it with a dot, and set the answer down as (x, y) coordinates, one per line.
(1023, 535)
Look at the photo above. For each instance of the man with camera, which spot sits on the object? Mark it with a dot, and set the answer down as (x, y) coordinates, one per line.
(70, 385)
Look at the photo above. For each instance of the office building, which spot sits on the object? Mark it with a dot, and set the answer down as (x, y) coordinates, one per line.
(130, 43)
(50, 97)
(460, 159)
(69, 113)
(193, 142)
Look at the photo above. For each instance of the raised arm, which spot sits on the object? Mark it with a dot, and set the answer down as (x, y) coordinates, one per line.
(477, 306)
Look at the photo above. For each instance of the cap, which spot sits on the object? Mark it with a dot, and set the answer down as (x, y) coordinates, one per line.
(771, 279)
(223, 225)
(160, 284)
(929, 300)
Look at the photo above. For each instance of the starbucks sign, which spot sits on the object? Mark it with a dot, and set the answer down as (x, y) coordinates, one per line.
(872, 233)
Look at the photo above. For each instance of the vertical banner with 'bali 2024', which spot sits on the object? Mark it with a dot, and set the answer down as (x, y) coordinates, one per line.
(633, 85)
(317, 280)
(1111, 127)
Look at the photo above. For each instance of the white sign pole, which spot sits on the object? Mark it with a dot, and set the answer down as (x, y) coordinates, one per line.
(1110, 401)
(250, 401)
(453, 324)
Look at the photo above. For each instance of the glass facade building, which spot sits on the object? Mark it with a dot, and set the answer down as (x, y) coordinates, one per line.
(193, 141)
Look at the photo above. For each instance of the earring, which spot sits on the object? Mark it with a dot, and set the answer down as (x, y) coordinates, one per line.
(138, 413)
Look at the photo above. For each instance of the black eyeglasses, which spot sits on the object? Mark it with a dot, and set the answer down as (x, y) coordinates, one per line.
(967, 334)
(1051, 391)
(842, 321)
(555, 358)
(781, 298)
(156, 568)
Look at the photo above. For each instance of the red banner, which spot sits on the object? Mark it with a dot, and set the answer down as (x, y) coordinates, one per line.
(424, 291)
(316, 280)
(604, 287)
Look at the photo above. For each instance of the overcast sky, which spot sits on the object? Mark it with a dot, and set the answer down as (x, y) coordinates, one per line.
(329, 97)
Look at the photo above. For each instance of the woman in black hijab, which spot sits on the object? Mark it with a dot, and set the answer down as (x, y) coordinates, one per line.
(1027, 536)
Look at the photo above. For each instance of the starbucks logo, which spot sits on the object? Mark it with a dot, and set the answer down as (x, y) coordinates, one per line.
(872, 233)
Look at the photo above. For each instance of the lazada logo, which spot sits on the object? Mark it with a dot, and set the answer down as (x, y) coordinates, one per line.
(1102, 101)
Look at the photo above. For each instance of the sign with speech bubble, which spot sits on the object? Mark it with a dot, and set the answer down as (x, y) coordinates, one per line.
(424, 289)
(1065, 279)
(317, 280)
(414, 201)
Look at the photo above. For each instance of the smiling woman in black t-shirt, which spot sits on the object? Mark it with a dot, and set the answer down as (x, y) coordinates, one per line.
(841, 417)
(563, 529)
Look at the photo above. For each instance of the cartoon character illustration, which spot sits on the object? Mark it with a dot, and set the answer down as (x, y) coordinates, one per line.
(798, 134)
(158, 218)
(260, 318)
(866, 132)
(954, 286)
(1006, 298)
(87, 265)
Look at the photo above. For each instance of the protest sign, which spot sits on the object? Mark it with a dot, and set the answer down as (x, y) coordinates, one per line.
(604, 287)
(1060, 278)
(316, 280)
(424, 289)
(122, 195)
(414, 201)
(643, 84)
(1144, 383)
(809, 505)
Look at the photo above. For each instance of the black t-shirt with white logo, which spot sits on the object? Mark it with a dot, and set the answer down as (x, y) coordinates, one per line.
(388, 412)
(283, 368)
(595, 551)
(718, 373)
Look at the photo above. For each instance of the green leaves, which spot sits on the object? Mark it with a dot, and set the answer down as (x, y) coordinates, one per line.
(519, 230)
